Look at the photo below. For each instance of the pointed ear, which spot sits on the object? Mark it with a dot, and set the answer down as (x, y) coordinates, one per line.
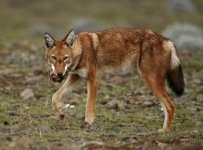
(49, 40)
(70, 37)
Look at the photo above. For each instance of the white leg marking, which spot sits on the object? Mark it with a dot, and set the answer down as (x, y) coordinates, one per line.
(165, 115)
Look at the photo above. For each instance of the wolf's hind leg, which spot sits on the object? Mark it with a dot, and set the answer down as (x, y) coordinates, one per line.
(158, 88)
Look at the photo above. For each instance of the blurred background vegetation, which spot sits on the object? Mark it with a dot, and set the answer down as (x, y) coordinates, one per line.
(29, 19)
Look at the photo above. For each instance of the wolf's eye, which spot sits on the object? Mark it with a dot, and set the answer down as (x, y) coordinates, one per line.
(65, 58)
(53, 57)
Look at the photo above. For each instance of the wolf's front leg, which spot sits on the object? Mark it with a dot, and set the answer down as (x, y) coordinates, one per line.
(91, 98)
(72, 81)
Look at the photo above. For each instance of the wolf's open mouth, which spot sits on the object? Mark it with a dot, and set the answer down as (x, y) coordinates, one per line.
(56, 78)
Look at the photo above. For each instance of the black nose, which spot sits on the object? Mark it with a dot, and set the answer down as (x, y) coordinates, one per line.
(60, 74)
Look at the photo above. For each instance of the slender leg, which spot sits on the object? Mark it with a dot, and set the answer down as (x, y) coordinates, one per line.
(72, 81)
(157, 86)
(91, 98)
(168, 108)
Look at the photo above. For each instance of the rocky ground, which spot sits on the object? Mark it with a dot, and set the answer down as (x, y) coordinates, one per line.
(127, 114)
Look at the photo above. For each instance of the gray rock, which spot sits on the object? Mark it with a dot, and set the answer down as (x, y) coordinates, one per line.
(43, 128)
(32, 80)
(74, 102)
(143, 98)
(182, 100)
(39, 30)
(28, 94)
(147, 104)
(188, 146)
(139, 128)
(180, 5)
(111, 104)
(161, 145)
(185, 36)
(17, 57)
(199, 123)
(200, 98)
(92, 145)
(147, 146)
(40, 70)
(84, 25)
(121, 104)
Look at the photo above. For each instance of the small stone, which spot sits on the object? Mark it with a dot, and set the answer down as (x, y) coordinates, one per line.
(116, 80)
(161, 144)
(138, 93)
(199, 108)
(147, 104)
(72, 106)
(139, 128)
(92, 145)
(43, 128)
(125, 138)
(182, 100)
(146, 146)
(143, 98)
(80, 116)
(199, 123)
(13, 108)
(121, 104)
(111, 104)
(38, 70)
(188, 146)
(70, 138)
(28, 94)
(32, 80)
(74, 102)
(66, 106)
(200, 98)
(6, 71)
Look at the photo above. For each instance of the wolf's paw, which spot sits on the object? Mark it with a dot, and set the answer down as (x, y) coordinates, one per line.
(163, 130)
(58, 107)
(90, 127)
(61, 116)
(86, 125)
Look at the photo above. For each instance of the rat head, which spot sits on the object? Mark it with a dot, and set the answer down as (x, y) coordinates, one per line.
(62, 56)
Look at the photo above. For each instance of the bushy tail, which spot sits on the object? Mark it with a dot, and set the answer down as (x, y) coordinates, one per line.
(175, 76)
(176, 80)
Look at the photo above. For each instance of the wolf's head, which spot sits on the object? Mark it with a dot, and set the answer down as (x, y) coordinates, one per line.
(61, 55)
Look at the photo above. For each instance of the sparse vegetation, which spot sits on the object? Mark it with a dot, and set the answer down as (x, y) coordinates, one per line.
(130, 124)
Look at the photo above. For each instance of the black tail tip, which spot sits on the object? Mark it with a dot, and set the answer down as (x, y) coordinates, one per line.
(176, 80)
(179, 92)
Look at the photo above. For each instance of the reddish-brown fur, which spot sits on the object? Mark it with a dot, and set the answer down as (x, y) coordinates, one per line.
(116, 50)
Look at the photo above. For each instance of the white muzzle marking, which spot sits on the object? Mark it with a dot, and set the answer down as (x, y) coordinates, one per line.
(52, 69)
(65, 69)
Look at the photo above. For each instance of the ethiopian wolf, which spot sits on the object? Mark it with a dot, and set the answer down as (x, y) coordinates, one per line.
(87, 54)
